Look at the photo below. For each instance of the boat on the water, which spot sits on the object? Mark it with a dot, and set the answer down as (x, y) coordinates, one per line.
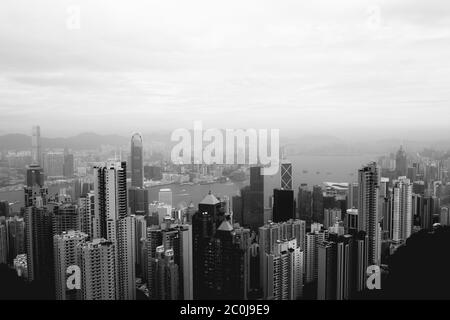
(187, 184)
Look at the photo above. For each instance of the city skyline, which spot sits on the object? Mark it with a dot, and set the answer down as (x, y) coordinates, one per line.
(224, 153)
(314, 246)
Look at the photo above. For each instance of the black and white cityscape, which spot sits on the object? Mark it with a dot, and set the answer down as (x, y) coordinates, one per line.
(224, 150)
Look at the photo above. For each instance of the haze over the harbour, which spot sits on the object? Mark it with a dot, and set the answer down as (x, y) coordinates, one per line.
(354, 69)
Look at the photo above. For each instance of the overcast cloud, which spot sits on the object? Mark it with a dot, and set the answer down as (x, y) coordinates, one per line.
(322, 66)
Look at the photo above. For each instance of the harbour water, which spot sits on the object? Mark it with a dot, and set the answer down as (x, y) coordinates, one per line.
(311, 170)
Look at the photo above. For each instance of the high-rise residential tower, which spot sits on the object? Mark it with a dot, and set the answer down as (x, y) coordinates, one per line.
(402, 215)
(90, 223)
(96, 260)
(111, 206)
(65, 253)
(368, 211)
(15, 227)
(284, 271)
(39, 246)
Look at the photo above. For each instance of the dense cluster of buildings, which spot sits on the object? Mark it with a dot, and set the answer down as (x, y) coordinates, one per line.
(265, 243)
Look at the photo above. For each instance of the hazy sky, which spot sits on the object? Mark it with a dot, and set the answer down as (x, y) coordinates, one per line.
(322, 67)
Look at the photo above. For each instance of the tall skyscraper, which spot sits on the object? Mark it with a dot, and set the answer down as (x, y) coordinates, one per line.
(429, 205)
(360, 261)
(317, 204)
(137, 161)
(38, 227)
(36, 145)
(39, 246)
(272, 234)
(15, 228)
(111, 206)
(153, 239)
(110, 201)
(327, 263)
(402, 214)
(204, 226)
(90, 223)
(313, 239)
(286, 175)
(231, 270)
(219, 259)
(68, 165)
(140, 235)
(284, 271)
(165, 283)
(65, 253)
(283, 205)
(304, 200)
(336, 273)
(368, 211)
(126, 259)
(344, 265)
(172, 237)
(253, 201)
(401, 163)
(96, 260)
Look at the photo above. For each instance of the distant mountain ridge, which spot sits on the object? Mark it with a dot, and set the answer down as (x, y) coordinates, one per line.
(307, 144)
(86, 140)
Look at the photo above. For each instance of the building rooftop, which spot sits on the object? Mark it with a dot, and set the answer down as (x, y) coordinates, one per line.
(225, 226)
(210, 199)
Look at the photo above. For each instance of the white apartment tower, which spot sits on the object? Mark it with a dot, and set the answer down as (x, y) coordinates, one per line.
(111, 206)
(96, 260)
(284, 272)
(368, 210)
(402, 217)
(65, 253)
